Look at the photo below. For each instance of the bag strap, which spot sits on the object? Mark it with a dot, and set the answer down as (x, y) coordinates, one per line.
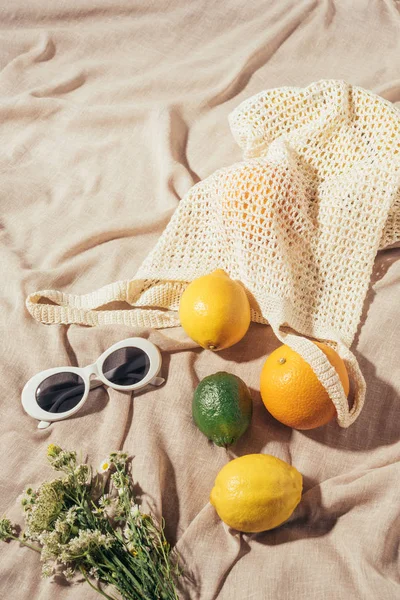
(85, 309)
(327, 374)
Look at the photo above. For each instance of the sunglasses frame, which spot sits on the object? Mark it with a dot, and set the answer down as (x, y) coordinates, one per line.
(28, 396)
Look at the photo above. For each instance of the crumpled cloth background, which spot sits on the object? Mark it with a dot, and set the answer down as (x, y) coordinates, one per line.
(109, 112)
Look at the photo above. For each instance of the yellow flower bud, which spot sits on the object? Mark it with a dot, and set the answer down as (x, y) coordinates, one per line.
(53, 450)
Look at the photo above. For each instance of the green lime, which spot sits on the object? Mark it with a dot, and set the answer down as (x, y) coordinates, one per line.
(222, 408)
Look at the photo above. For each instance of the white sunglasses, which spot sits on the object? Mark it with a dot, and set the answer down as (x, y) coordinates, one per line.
(58, 393)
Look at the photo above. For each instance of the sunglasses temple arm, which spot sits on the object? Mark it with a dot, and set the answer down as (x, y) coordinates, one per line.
(156, 381)
(94, 383)
(65, 396)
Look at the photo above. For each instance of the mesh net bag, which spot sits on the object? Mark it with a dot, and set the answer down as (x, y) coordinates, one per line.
(298, 221)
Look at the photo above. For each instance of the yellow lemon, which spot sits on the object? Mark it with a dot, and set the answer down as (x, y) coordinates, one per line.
(256, 492)
(214, 311)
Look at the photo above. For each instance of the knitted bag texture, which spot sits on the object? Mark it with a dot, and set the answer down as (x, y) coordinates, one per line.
(298, 221)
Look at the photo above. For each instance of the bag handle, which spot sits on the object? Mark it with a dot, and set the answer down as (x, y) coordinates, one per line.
(83, 309)
(327, 374)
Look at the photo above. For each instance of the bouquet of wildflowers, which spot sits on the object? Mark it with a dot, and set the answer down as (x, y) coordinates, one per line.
(104, 537)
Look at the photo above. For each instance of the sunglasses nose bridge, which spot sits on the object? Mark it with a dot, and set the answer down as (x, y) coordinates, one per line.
(90, 370)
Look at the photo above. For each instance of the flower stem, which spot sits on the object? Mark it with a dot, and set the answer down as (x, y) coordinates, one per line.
(95, 588)
(130, 576)
(35, 548)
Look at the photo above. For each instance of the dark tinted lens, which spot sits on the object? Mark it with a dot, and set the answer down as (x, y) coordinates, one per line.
(61, 392)
(126, 366)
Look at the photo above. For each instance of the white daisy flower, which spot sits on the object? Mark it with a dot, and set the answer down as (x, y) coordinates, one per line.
(132, 549)
(105, 500)
(135, 510)
(105, 465)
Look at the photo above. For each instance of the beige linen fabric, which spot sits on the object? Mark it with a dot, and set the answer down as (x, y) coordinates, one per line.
(109, 112)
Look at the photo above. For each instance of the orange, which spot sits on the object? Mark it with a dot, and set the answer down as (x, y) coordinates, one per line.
(292, 392)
